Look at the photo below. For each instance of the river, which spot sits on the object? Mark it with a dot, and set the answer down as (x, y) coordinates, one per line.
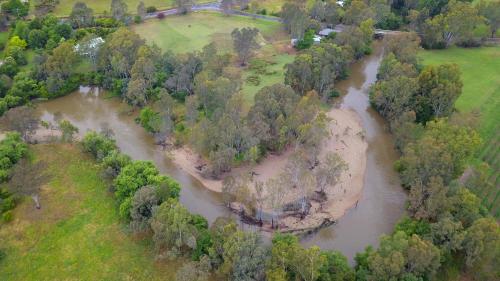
(382, 202)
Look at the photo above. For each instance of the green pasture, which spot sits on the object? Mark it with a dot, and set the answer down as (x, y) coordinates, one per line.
(187, 33)
(77, 234)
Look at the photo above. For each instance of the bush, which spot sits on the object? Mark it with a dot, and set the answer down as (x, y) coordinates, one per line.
(308, 40)
(160, 16)
(137, 19)
(98, 145)
(7, 204)
(7, 216)
(151, 9)
(149, 120)
(333, 94)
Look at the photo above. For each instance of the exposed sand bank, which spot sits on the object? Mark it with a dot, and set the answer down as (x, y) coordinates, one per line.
(347, 140)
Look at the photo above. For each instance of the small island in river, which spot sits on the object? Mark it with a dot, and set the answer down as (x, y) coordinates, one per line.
(346, 139)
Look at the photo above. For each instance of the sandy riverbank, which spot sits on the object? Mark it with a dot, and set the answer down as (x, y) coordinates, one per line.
(347, 140)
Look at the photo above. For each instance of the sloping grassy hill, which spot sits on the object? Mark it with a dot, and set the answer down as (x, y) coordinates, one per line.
(77, 234)
(481, 77)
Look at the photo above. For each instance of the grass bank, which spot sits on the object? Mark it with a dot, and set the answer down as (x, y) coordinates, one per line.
(77, 234)
(481, 78)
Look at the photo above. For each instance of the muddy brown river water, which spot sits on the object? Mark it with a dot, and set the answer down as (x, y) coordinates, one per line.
(382, 202)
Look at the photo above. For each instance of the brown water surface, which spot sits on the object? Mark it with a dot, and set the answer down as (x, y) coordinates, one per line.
(382, 202)
(383, 199)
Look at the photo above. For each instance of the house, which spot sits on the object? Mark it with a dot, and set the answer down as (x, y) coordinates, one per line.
(93, 44)
(325, 32)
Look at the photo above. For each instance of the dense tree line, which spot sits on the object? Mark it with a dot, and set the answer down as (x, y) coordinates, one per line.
(447, 228)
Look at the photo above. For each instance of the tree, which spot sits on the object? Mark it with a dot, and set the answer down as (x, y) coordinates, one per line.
(183, 6)
(172, 228)
(27, 178)
(299, 176)
(404, 46)
(244, 258)
(439, 88)
(491, 11)
(22, 119)
(67, 130)
(81, 15)
(328, 172)
(144, 201)
(37, 39)
(482, 247)
(142, 75)
(448, 28)
(395, 96)
(442, 152)
(16, 8)
(317, 69)
(119, 10)
(428, 201)
(119, 53)
(98, 145)
(245, 43)
(194, 271)
(295, 19)
(448, 235)
(184, 72)
(141, 10)
(357, 12)
(60, 66)
(267, 118)
(308, 262)
(399, 256)
(335, 267)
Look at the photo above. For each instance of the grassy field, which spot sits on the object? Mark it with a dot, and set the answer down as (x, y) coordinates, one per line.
(191, 32)
(100, 6)
(481, 77)
(76, 235)
(273, 74)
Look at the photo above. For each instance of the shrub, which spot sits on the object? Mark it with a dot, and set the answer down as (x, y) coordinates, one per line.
(151, 9)
(160, 15)
(7, 204)
(149, 120)
(98, 145)
(137, 19)
(7, 216)
(308, 40)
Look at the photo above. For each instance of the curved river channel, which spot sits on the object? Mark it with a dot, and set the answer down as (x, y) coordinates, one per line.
(382, 202)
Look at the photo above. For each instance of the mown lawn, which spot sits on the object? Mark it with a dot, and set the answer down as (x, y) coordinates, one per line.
(481, 77)
(76, 235)
(187, 33)
(100, 6)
